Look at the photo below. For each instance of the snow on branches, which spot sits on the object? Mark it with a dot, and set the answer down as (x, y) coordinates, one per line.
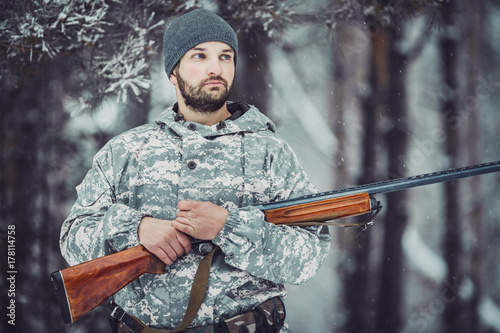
(127, 69)
(268, 16)
(391, 13)
(108, 46)
(110, 41)
(51, 28)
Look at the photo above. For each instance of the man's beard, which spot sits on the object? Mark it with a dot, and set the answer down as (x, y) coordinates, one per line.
(204, 101)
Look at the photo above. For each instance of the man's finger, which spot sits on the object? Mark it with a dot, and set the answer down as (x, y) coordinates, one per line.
(185, 204)
(163, 256)
(184, 225)
(178, 249)
(184, 241)
(174, 251)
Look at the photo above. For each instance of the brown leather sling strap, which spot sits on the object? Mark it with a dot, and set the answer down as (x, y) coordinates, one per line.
(198, 291)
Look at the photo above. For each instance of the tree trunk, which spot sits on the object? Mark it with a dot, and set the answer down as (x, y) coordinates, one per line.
(27, 157)
(356, 279)
(475, 217)
(35, 154)
(337, 102)
(340, 178)
(253, 79)
(390, 298)
(453, 313)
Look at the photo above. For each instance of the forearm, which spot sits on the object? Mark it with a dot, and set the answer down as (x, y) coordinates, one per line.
(87, 234)
(281, 254)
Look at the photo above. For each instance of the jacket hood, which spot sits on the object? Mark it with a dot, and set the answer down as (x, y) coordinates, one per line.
(245, 118)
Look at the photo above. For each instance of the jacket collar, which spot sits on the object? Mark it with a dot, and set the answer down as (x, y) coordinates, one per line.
(244, 118)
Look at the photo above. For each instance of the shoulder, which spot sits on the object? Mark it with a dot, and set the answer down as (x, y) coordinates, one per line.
(127, 142)
(265, 134)
(134, 135)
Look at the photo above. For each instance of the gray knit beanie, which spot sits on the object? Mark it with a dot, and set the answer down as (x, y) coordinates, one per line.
(196, 27)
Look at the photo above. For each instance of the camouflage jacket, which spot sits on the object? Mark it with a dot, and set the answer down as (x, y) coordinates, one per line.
(147, 170)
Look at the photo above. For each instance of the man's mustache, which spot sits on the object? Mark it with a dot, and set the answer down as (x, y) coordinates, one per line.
(213, 79)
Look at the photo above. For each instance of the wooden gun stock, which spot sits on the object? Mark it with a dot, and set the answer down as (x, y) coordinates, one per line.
(83, 287)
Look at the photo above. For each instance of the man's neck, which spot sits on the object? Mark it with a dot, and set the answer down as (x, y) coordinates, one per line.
(204, 118)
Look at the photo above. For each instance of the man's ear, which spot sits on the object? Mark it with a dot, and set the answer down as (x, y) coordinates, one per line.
(173, 79)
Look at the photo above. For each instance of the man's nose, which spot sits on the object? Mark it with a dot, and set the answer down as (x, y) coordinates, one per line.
(214, 68)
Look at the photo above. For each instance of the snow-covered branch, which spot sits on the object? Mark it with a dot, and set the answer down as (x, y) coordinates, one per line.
(391, 13)
(269, 16)
(109, 44)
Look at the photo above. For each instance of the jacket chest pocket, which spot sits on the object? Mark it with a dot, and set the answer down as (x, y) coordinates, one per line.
(213, 170)
(225, 175)
(216, 181)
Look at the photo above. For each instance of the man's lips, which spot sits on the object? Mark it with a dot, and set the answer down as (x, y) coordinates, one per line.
(214, 83)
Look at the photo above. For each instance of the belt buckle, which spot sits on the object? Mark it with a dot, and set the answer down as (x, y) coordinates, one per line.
(117, 313)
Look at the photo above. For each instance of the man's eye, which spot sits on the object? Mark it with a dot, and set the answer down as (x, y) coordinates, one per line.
(226, 57)
(198, 56)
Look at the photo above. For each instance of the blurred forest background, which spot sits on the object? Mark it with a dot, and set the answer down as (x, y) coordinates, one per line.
(364, 90)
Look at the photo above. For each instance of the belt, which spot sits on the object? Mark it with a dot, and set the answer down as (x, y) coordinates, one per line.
(268, 317)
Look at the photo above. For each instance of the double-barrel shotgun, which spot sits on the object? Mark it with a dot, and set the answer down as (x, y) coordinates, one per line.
(83, 287)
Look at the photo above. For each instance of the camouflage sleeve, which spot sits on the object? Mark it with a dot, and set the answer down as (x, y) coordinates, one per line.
(97, 225)
(281, 254)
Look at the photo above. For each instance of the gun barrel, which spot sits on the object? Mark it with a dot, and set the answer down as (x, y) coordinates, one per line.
(391, 185)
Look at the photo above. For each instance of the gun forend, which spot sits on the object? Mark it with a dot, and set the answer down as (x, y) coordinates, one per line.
(322, 210)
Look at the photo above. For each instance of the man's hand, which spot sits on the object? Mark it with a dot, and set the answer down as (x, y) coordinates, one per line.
(200, 219)
(162, 239)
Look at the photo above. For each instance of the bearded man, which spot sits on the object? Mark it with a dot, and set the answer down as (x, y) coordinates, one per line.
(196, 173)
